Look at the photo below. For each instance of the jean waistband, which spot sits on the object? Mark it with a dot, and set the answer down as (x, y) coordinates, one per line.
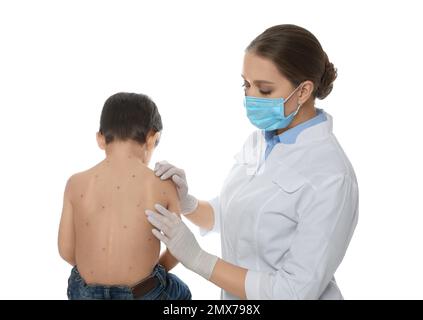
(158, 271)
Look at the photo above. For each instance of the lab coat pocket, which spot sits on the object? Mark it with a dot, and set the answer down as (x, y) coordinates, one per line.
(279, 215)
(285, 193)
(288, 180)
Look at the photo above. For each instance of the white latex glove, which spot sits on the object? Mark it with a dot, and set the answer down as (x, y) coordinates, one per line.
(180, 241)
(165, 170)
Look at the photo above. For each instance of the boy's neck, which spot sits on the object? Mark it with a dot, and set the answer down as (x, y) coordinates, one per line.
(124, 151)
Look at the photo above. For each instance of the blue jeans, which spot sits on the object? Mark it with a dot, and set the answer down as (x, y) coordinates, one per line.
(170, 287)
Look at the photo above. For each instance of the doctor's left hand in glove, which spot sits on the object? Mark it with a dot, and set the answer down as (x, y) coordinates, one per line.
(180, 241)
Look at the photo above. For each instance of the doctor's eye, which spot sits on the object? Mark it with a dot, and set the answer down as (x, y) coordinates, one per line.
(245, 85)
(265, 92)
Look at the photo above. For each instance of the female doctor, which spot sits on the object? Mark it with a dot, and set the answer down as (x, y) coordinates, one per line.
(287, 211)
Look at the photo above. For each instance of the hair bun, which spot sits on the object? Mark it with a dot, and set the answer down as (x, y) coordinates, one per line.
(326, 82)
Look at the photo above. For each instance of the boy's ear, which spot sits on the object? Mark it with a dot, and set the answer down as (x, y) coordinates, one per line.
(101, 141)
(152, 140)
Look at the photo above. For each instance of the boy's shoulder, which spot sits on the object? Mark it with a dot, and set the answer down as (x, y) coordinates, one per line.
(165, 190)
(76, 180)
(168, 186)
(79, 176)
(168, 193)
(163, 187)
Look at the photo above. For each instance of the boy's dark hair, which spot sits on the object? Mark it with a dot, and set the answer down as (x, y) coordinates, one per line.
(129, 116)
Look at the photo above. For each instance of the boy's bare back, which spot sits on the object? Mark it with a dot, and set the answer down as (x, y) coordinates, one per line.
(113, 240)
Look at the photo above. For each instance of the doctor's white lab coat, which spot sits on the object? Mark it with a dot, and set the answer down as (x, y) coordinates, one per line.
(288, 219)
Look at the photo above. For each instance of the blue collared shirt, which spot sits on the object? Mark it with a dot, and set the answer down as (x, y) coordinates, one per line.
(290, 135)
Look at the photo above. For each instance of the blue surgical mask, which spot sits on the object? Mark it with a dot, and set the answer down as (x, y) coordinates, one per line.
(269, 113)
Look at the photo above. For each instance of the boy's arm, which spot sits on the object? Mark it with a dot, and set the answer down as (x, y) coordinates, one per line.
(167, 260)
(66, 239)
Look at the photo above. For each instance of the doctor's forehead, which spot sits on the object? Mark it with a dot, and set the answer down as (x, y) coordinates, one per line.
(259, 68)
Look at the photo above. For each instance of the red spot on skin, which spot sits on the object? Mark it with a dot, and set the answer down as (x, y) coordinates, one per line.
(118, 187)
(163, 192)
(130, 268)
(102, 207)
(104, 249)
(125, 227)
(82, 195)
(133, 176)
(138, 205)
(92, 272)
(149, 239)
(96, 176)
(87, 224)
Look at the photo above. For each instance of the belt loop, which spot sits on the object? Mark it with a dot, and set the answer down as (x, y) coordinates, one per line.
(160, 273)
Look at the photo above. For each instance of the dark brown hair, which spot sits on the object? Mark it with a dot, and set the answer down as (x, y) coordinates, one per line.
(129, 116)
(298, 56)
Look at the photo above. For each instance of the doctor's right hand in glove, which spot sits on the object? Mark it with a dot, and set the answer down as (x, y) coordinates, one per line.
(181, 242)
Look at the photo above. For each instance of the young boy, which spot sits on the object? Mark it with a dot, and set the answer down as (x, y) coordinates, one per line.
(104, 233)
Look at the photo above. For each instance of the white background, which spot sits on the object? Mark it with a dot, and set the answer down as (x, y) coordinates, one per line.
(60, 60)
